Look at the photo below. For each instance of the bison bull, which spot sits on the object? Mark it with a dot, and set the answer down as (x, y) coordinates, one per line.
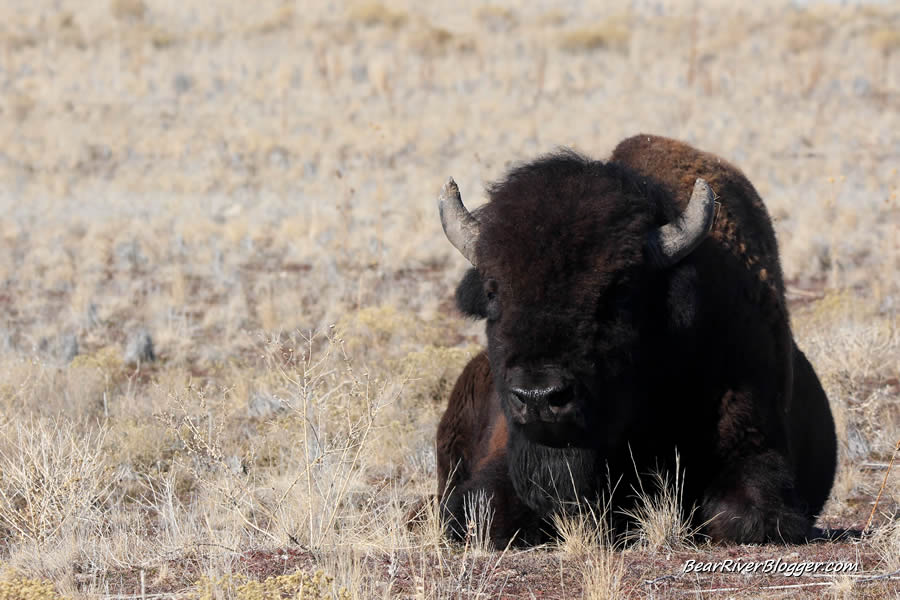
(631, 315)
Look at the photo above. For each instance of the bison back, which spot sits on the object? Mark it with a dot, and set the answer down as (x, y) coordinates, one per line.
(742, 226)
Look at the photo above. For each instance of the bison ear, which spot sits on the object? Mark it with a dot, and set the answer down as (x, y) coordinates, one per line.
(470, 297)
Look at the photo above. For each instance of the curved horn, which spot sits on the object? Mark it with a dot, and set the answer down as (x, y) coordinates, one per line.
(459, 225)
(673, 241)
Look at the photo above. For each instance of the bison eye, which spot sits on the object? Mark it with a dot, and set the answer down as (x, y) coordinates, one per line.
(493, 303)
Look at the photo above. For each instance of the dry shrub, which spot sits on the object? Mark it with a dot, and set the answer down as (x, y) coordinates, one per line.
(315, 586)
(386, 333)
(497, 18)
(855, 349)
(128, 9)
(431, 372)
(16, 586)
(282, 20)
(139, 446)
(551, 18)
(376, 13)
(847, 337)
(887, 41)
(609, 35)
(53, 479)
(20, 106)
(433, 41)
(315, 493)
(886, 542)
(808, 31)
(843, 588)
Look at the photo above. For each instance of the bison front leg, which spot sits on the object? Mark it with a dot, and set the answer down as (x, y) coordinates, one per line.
(753, 498)
(756, 504)
(487, 500)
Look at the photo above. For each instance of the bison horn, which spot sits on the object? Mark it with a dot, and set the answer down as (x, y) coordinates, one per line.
(459, 225)
(673, 241)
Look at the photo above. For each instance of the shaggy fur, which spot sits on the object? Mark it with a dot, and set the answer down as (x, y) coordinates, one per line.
(697, 358)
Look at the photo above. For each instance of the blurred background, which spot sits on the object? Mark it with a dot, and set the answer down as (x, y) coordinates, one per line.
(273, 164)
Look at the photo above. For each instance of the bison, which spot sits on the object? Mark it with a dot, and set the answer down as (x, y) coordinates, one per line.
(635, 312)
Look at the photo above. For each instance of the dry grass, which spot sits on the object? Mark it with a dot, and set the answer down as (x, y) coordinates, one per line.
(128, 9)
(580, 534)
(252, 185)
(586, 536)
(661, 520)
(886, 40)
(376, 13)
(604, 575)
(612, 35)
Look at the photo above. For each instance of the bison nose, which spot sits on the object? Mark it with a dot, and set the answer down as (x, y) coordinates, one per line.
(558, 400)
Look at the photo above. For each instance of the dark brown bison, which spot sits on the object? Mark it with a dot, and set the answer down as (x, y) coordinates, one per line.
(632, 315)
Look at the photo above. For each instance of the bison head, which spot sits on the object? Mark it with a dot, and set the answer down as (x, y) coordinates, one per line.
(570, 258)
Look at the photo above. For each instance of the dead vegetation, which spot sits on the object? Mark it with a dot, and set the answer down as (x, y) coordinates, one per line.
(612, 34)
(226, 322)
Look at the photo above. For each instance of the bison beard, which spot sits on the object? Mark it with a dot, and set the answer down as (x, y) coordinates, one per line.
(551, 479)
(625, 325)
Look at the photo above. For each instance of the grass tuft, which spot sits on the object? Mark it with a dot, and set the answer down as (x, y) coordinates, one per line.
(124, 10)
(887, 41)
(479, 515)
(661, 519)
(581, 533)
(610, 35)
(376, 13)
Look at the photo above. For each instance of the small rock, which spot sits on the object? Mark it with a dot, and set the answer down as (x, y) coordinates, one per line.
(236, 465)
(125, 472)
(262, 405)
(139, 348)
(129, 255)
(861, 86)
(62, 349)
(67, 346)
(359, 73)
(182, 83)
(857, 445)
(6, 341)
(91, 316)
(278, 157)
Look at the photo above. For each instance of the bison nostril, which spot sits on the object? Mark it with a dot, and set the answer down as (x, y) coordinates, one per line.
(555, 399)
(518, 398)
(559, 397)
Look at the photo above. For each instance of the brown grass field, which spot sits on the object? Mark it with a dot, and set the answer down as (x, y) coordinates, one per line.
(253, 184)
